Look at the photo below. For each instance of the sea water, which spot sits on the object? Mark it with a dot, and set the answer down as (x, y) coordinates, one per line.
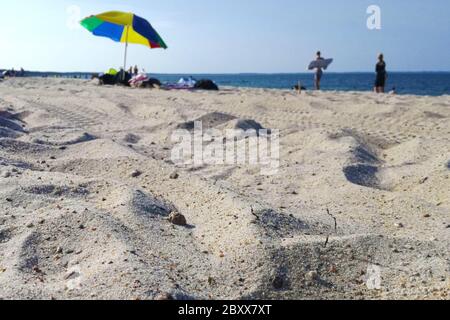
(417, 83)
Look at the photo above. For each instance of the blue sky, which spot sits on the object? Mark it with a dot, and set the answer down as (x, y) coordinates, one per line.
(231, 36)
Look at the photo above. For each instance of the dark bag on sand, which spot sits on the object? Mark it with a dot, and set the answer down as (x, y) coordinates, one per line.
(107, 79)
(206, 85)
(151, 83)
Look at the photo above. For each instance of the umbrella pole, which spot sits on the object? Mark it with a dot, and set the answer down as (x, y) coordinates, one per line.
(125, 59)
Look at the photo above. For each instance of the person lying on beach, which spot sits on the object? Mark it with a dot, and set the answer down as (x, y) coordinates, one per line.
(319, 72)
(380, 68)
(393, 91)
(7, 74)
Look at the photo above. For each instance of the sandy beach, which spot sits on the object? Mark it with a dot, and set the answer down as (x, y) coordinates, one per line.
(87, 185)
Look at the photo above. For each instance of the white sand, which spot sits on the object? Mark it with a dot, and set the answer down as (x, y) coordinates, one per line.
(75, 224)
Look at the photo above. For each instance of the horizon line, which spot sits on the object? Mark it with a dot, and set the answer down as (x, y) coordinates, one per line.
(244, 73)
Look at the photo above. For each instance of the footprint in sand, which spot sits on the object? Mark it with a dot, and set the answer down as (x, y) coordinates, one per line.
(57, 191)
(10, 145)
(143, 204)
(5, 235)
(74, 278)
(132, 138)
(433, 115)
(10, 125)
(62, 137)
(363, 175)
(209, 120)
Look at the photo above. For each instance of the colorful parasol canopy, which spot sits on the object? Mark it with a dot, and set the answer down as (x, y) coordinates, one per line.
(124, 27)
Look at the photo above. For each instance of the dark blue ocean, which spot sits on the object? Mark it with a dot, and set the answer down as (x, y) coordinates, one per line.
(433, 84)
(418, 83)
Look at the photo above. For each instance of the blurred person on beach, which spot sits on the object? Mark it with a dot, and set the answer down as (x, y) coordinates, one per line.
(380, 81)
(121, 75)
(319, 72)
(136, 70)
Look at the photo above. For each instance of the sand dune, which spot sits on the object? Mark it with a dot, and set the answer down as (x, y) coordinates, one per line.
(87, 186)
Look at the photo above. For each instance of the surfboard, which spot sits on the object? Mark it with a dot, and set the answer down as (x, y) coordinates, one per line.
(324, 64)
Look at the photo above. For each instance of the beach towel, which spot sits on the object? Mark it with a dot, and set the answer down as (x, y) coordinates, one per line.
(187, 82)
(182, 84)
(138, 80)
(191, 84)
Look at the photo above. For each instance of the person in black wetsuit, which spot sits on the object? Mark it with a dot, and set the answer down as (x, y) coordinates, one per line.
(380, 81)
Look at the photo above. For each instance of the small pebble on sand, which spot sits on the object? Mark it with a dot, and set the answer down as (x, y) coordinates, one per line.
(177, 219)
(312, 276)
(136, 173)
(6, 174)
(164, 297)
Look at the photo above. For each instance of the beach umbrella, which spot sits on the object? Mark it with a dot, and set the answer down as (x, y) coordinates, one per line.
(124, 27)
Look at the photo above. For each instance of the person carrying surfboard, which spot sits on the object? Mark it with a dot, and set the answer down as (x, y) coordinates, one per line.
(319, 65)
(319, 72)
